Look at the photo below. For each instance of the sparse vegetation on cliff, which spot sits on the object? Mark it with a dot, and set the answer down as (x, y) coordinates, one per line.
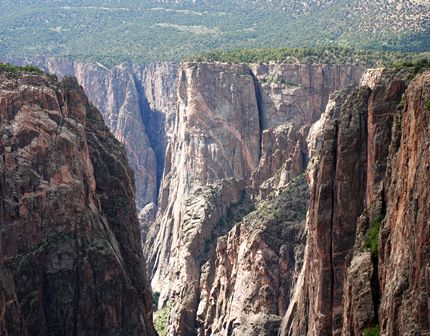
(418, 64)
(6, 67)
(372, 331)
(161, 318)
(330, 54)
(372, 236)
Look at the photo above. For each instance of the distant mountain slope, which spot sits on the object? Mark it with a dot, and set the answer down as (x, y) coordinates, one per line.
(114, 31)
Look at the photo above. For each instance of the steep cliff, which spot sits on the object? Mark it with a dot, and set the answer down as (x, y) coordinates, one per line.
(238, 147)
(367, 244)
(404, 252)
(138, 104)
(70, 250)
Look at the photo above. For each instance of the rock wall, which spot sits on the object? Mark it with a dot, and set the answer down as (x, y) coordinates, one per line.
(248, 124)
(138, 104)
(366, 254)
(404, 253)
(70, 249)
(229, 246)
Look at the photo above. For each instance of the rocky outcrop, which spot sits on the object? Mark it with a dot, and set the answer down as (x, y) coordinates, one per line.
(298, 93)
(70, 242)
(292, 97)
(216, 137)
(365, 167)
(246, 286)
(248, 124)
(138, 104)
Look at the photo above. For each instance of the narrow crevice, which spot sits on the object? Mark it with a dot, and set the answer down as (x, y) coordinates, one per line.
(333, 201)
(260, 107)
(375, 286)
(376, 291)
(77, 283)
(2, 189)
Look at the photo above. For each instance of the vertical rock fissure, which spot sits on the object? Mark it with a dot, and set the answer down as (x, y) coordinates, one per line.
(77, 279)
(260, 107)
(3, 202)
(332, 219)
(375, 286)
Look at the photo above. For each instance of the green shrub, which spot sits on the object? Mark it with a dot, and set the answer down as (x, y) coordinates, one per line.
(427, 105)
(155, 299)
(418, 64)
(161, 319)
(6, 67)
(372, 331)
(371, 241)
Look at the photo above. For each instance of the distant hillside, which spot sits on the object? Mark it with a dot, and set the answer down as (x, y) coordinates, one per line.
(151, 30)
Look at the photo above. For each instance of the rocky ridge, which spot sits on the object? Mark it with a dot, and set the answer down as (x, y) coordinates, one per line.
(234, 250)
(70, 250)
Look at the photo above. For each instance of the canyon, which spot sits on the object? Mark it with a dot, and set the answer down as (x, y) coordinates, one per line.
(273, 199)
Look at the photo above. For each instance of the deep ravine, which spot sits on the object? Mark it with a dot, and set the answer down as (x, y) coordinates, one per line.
(274, 199)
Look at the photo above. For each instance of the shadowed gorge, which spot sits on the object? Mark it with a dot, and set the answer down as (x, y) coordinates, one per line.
(274, 207)
(215, 168)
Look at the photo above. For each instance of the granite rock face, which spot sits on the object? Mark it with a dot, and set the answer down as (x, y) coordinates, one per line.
(70, 250)
(138, 104)
(404, 253)
(275, 210)
(246, 286)
(11, 322)
(366, 254)
(241, 131)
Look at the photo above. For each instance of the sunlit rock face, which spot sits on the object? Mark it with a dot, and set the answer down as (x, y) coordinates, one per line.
(233, 165)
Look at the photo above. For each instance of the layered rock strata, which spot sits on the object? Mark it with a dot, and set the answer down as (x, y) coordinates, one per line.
(70, 250)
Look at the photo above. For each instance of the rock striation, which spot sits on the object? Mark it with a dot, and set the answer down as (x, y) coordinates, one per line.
(280, 207)
(404, 253)
(138, 104)
(367, 243)
(240, 134)
(70, 250)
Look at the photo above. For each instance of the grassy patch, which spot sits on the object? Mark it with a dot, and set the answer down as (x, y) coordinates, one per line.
(371, 241)
(161, 318)
(372, 331)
